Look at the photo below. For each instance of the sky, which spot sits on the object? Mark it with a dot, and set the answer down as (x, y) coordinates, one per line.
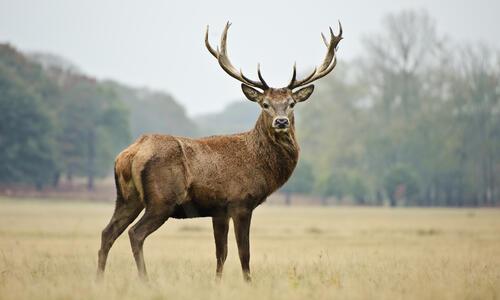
(160, 44)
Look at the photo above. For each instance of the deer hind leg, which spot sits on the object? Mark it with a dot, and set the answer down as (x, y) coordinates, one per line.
(124, 214)
(241, 221)
(152, 219)
(163, 186)
(221, 228)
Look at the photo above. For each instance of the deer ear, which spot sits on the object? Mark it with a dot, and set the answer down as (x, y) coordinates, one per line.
(251, 93)
(303, 93)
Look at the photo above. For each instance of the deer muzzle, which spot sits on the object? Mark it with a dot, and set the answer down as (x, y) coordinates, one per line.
(281, 123)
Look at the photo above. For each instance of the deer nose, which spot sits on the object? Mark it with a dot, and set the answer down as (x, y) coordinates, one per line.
(281, 122)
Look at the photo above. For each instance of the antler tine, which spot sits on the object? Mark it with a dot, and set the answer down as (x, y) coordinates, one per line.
(227, 66)
(328, 64)
(261, 78)
(224, 61)
(296, 83)
(263, 83)
(215, 53)
(294, 74)
(324, 40)
(340, 31)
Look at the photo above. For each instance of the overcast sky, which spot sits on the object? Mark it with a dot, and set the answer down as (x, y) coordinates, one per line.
(159, 44)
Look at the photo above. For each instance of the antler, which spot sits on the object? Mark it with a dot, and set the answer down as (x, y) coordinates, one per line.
(326, 67)
(225, 63)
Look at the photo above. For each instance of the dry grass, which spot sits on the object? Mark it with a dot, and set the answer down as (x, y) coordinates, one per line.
(48, 251)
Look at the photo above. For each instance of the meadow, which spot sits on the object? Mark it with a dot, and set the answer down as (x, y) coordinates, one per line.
(48, 250)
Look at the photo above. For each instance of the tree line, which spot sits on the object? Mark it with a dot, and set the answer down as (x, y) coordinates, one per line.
(414, 120)
(56, 121)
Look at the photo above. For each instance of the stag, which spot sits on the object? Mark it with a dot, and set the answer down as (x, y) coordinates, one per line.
(223, 177)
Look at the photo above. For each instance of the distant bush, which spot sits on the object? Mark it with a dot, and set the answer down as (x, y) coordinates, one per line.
(301, 182)
(401, 183)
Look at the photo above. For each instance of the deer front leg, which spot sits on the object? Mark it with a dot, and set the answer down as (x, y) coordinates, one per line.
(241, 221)
(221, 228)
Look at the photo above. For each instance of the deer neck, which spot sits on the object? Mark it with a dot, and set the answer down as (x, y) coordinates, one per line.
(278, 151)
(264, 132)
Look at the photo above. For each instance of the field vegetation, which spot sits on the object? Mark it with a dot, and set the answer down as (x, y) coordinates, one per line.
(48, 250)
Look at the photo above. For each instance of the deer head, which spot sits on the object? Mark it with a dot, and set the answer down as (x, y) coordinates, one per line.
(277, 103)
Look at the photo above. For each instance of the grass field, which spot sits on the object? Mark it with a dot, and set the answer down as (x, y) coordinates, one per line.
(48, 250)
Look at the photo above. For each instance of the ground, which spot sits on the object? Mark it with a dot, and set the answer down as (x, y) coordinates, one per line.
(48, 250)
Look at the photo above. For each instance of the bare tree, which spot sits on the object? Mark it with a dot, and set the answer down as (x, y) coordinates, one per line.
(396, 60)
(476, 102)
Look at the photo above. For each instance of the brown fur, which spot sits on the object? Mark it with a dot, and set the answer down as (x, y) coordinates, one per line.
(161, 164)
(220, 176)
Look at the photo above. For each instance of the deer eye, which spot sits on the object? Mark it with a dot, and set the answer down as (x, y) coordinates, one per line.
(265, 105)
(292, 104)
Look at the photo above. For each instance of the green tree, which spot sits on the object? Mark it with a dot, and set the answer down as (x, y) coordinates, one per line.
(401, 183)
(333, 185)
(358, 189)
(153, 112)
(27, 135)
(95, 127)
(476, 110)
(302, 181)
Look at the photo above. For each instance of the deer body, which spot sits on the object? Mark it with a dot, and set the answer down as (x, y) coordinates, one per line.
(209, 176)
(223, 177)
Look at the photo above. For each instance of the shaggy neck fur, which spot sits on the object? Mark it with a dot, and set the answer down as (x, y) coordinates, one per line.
(279, 151)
